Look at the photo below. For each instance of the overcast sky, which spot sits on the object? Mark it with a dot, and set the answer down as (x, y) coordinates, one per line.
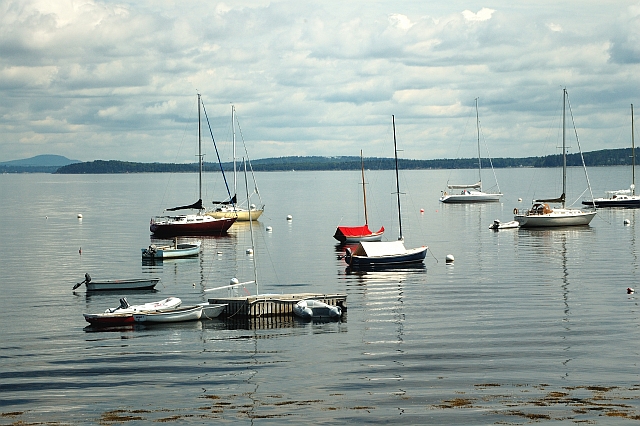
(119, 79)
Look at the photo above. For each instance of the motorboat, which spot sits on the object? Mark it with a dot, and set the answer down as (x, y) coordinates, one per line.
(123, 314)
(174, 251)
(309, 309)
(497, 224)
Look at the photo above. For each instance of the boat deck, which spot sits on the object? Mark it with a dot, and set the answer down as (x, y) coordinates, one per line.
(269, 305)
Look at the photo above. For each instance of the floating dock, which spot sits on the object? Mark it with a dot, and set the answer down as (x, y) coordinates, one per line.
(272, 305)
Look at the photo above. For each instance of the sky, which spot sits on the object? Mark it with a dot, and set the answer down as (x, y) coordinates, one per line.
(118, 80)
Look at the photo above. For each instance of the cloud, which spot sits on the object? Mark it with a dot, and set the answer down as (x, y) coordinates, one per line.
(100, 79)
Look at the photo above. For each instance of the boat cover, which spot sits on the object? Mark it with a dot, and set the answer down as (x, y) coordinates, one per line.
(473, 186)
(560, 199)
(355, 231)
(380, 248)
(197, 205)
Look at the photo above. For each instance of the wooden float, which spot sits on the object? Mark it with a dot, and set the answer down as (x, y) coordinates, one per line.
(272, 305)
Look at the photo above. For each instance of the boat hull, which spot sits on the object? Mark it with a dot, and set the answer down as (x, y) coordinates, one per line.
(343, 235)
(558, 217)
(212, 310)
(107, 320)
(171, 252)
(471, 197)
(127, 284)
(241, 215)
(407, 257)
(194, 225)
(627, 203)
(189, 313)
(124, 315)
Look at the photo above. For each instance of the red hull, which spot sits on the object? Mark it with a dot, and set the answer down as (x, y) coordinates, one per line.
(109, 320)
(217, 227)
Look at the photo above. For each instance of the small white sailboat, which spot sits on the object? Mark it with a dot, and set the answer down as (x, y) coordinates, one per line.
(541, 215)
(375, 254)
(231, 208)
(355, 234)
(471, 193)
(625, 198)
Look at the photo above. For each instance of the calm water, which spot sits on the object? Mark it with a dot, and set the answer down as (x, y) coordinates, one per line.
(525, 326)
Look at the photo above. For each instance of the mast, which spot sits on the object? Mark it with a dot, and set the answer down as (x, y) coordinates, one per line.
(633, 157)
(364, 191)
(479, 160)
(395, 151)
(564, 151)
(233, 129)
(255, 268)
(199, 152)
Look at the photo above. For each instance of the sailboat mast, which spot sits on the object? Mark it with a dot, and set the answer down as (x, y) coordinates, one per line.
(564, 150)
(255, 268)
(395, 151)
(233, 129)
(633, 157)
(364, 191)
(199, 151)
(479, 160)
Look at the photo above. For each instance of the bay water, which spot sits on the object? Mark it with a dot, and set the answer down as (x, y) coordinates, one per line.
(524, 326)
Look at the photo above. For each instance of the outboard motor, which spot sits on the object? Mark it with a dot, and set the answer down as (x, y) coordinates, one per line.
(87, 278)
(124, 304)
(347, 255)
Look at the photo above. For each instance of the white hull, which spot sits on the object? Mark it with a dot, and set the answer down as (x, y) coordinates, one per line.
(172, 252)
(210, 310)
(189, 313)
(241, 215)
(470, 197)
(558, 217)
(124, 315)
(504, 225)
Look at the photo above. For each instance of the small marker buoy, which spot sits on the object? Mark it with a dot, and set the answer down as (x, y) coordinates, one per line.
(219, 253)
(234, 281)
(80, 251)
(630, 290)
(269, 229)
(46, 217)
(193, 285)
(520, 200)
(627, 221)
(289, 217)
(421, 210)
(449, 258)
(249, 251)
(79, 215)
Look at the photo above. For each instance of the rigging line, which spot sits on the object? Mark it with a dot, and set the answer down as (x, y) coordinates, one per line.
(216, 148)
(255, 183)
(579, 148)
(489, 156)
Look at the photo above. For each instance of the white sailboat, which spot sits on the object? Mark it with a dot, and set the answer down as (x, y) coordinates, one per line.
(541, 214)
(471, 193)
(380, 254)
(625, 198)
(231, 208)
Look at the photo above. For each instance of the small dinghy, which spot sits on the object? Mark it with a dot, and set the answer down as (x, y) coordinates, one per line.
(123, 314)
(124, 284)
(309, 309)
(187, 313)
(175, 251)
(506, 225)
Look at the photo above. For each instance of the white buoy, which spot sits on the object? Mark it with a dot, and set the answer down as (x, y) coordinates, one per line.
(249, 251)
(234, 281)
(219, 253)
(449, 258)
(520, 200)
(79, 215)
(627, 222)
(289, 217)
(269, 229)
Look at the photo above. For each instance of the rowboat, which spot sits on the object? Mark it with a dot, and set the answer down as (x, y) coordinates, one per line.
(121, 284)
(171, 251)
(309, 309)
(187, 313)
(504, 225)
(123, 314)
(211, 310)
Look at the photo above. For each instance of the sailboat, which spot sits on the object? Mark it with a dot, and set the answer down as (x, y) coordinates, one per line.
(372, 254)
(230, 208)
(471, 193)
(355, 234)
(623, 197)
(191, 224)
(540, 214)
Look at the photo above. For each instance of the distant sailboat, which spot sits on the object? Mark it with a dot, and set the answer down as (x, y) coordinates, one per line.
(191, 224)
(471, 193)
(626, 198)
(231, 208)
(540, 214)
(355, 234)
(373, 254)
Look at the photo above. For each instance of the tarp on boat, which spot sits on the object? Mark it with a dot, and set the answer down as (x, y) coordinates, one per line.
(197, 205)
(233, 200)
(380, 248)
(355, 231)
(560, 199)
(470, 186)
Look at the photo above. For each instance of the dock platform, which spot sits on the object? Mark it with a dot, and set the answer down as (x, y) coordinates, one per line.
(269, 305)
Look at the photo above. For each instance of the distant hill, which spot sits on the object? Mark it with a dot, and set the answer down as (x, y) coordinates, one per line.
(37, 164)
